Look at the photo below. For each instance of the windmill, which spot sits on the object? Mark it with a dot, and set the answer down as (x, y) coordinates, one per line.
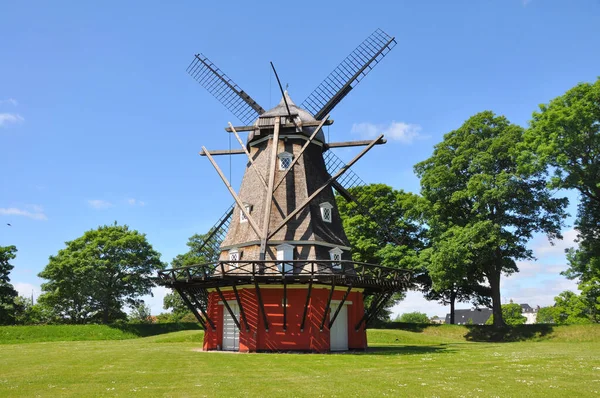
(281, 275)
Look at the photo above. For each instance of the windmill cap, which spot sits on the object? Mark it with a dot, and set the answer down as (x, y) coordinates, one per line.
(300, 115)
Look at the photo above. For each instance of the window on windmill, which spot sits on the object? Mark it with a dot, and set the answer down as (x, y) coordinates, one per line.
(234, 255)
(336, 258)
(326, 211)
(285, 160)
(248, 208)
(285, 252)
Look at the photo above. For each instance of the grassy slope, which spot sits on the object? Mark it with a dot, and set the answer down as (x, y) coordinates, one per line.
(433, 362)
(30, 334)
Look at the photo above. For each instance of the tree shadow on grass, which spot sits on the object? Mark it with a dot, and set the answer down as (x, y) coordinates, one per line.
(407, 350)
(488, 333)
(153, 329)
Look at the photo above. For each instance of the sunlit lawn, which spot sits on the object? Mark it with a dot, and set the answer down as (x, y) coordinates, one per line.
(417, 364)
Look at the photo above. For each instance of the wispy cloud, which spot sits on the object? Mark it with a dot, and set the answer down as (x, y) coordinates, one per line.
(405, 133)
(36, 213)
(135, 202)
(99, 204)
(10, 118)
(10, 101)
(526, 2)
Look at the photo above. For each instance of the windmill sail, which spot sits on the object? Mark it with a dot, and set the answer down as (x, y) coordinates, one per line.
(348, 74)
(211, 246)
(220, 86)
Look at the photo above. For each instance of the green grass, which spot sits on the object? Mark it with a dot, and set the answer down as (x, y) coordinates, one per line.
(30, 334)
(429, 361)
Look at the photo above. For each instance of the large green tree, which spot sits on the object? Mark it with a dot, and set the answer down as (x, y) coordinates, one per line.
(564, 139)
(99, 273)
(384, 227)
(196, 254)
(8, 294)
(482, 205)
(512, 314)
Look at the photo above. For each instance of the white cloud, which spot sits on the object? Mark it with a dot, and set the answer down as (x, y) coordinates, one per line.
(25, 289)
(414, 301)
(10, 101)
(543, 248)
(526, 2)
(397, 131)
(99, 204)
(8, 118)
(37, 212)
(156, 303)
(135, 202)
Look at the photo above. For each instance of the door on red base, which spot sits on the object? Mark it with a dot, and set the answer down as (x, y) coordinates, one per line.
(338, 334)
(231, 334)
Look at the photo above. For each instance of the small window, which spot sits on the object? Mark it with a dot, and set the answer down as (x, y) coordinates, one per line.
(326, 212)
(248, 208)
(234, 255)
(336, 257)
(285, 160)
(285, 252)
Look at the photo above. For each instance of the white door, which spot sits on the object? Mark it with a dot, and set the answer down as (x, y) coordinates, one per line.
(339, 330)
(231, 334)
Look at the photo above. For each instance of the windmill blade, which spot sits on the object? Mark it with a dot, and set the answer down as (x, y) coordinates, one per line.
(220, 86)
(211, 246)
(348, 74)
(350, 180)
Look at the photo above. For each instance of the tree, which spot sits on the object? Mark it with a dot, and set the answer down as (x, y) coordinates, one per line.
(140, 314)
(570, 309)
(195, 255)
(545, 315)
(413, 317)
(564, 139)
(390, 233)
(482, 205)
(8, 294)
(96, 275)
(29, 313)
(512, 314)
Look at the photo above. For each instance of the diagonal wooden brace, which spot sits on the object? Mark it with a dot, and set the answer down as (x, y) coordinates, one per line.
(252, 165)
(320, 189)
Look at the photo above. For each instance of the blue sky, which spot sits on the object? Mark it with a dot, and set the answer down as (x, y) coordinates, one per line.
(100, 122)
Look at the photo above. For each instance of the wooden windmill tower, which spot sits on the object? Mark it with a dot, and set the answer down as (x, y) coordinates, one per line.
(283, 277)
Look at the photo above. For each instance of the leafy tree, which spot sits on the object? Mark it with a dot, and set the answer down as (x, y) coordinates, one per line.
(196, 254)
(98, 273)
(390, 233)
(482, 205)
(32, 314)
(545, 315)
(512, 314)
(8, 294)
(569, 309)
(140, 314)
(413, 317)
(564, 139)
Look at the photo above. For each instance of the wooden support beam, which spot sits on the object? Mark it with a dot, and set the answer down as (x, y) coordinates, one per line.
(252, 165)
(262, 306)
(320, 189)
(374, 303)
(192, 308)
(210, 322)
(337, 311)
(204, 152)
(352, 143)
(254, 128)
(306, 306)
(226, 304)
(328, 303)
(297, 157)
(242, 313)
(378, 309)
(235, 197)
(269, 201)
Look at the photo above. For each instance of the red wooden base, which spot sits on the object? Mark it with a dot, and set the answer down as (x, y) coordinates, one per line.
(291, 339)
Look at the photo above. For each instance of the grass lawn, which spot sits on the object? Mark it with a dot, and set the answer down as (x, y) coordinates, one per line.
(429, 362)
